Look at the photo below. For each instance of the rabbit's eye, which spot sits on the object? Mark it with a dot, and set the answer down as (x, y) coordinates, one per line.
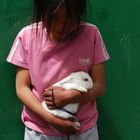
(85, 79)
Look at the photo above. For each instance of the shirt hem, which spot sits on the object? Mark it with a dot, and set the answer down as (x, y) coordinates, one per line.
(55, 133)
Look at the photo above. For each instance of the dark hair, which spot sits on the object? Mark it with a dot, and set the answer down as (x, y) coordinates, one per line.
(44, 9)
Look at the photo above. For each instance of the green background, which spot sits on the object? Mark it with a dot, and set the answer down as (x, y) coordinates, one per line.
(118, 22)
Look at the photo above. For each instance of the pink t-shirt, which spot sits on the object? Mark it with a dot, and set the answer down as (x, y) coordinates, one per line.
(48, 64)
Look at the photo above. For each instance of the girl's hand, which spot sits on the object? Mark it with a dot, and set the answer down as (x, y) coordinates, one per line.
(56, 97)
(64, 126)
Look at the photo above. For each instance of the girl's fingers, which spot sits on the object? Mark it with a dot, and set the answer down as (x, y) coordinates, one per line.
(48, 93)
(54, 88)
(49, 104)
(48, 99)
(49, 88)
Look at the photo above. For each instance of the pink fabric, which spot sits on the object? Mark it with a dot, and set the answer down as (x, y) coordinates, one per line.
(48, 64)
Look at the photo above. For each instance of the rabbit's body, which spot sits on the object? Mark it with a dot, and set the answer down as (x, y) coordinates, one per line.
(80, 81)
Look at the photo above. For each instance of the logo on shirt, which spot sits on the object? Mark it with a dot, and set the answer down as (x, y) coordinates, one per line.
(84, 61)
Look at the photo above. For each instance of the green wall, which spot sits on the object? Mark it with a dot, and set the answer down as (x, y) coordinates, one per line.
(14, 14)
(119, 108)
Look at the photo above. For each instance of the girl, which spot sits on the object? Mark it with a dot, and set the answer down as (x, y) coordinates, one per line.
(45, 52)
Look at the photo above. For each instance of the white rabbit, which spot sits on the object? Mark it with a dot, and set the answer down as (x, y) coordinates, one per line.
(80, 81)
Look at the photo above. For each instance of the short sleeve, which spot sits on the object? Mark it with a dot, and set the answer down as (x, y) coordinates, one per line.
(19, 53)
(100, 52)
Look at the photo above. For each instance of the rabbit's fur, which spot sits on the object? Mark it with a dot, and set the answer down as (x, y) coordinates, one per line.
(80, 81)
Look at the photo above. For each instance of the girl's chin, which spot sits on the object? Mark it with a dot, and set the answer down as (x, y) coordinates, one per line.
(60, 37)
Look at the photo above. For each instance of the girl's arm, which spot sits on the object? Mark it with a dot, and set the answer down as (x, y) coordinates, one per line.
(24, 93)
(64, 97)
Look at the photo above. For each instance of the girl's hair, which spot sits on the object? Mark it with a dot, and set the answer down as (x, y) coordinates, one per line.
(45, 9)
